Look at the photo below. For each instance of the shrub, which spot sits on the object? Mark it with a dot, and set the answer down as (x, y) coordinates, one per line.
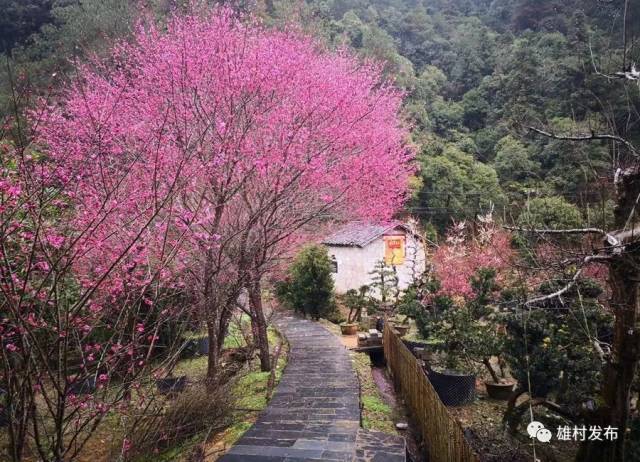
(195, 410)
(309, 286)
(563, 362)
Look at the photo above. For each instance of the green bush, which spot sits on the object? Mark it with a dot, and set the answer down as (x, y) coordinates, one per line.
(549, 347)
(308, 288)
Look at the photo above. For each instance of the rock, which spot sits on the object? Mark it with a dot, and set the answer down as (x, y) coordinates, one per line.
(402, 426)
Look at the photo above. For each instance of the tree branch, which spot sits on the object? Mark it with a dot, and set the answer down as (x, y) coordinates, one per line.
(612, 240)
(571, 284)
(588, 137)
(557, 231)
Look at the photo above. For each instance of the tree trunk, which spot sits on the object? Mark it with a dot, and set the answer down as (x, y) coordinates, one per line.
(213, 355)
(259, 324)
(624, 280)
(494, 376)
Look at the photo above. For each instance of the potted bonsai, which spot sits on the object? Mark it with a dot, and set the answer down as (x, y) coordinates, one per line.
(455, 377)
(488, 343)
(356, 301)
(349, 328)
(401, 327)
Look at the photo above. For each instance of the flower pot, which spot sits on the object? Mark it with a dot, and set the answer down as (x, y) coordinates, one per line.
(171, 384)
(349, 329)
(454, 388)
(401, 329)
(499, 391)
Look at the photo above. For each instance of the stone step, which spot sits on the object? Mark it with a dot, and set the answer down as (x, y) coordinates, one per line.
(374, 446)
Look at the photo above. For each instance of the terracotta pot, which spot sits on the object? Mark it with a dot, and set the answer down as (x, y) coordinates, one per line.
(401, 329)
(349, 329)
(499, 391)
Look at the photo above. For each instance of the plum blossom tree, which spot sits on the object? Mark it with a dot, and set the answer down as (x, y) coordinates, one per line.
(193, 159)
(459, 258)
(279, 133)
(84, 255)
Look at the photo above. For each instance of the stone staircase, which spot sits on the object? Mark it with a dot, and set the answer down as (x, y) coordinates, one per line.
(314, 414)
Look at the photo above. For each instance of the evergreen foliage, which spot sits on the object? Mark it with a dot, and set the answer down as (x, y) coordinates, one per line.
(309, 287)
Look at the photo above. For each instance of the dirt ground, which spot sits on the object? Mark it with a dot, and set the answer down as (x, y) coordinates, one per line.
(482, 424)
(350, 341)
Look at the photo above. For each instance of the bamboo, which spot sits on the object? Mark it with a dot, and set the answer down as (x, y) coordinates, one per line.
(441, 433)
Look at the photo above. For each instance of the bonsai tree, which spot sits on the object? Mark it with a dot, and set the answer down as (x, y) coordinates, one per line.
(555, 353)
(488, 342)
(309, 288)
(423, 302)
(357, 301)
(484, 340)
(385, 279)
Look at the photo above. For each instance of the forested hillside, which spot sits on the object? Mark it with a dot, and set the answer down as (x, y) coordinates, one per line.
(478, 73)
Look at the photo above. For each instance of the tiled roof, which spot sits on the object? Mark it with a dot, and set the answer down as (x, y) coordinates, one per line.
(360, 234)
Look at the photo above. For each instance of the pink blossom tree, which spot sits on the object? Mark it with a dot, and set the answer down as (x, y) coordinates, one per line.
(284, 135)
(461, 256)
(84, 259)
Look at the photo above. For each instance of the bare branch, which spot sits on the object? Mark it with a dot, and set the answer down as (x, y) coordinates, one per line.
(588, 137)
(571, 284)
(611, 239)
(557, 231)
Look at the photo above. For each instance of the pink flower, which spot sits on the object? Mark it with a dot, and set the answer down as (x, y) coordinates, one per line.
(13, 191)
(55, 241)
(11, 347)
(42, 266)
(103, 378)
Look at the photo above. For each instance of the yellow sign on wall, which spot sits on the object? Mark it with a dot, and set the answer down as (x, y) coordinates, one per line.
(394, 250)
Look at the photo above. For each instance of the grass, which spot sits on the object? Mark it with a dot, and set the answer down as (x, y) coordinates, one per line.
(250, 388)
(376, 413)
(252, 392)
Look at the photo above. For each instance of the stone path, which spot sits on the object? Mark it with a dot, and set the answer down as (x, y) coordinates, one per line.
(314, 413)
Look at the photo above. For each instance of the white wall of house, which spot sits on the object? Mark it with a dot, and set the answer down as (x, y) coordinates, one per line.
(355, 263)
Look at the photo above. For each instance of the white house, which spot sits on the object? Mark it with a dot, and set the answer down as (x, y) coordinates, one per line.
(357, 247)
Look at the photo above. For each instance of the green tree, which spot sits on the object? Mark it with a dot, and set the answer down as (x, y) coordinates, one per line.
(20, 19)
(456, 186)
(513, 162)
(309, 288)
